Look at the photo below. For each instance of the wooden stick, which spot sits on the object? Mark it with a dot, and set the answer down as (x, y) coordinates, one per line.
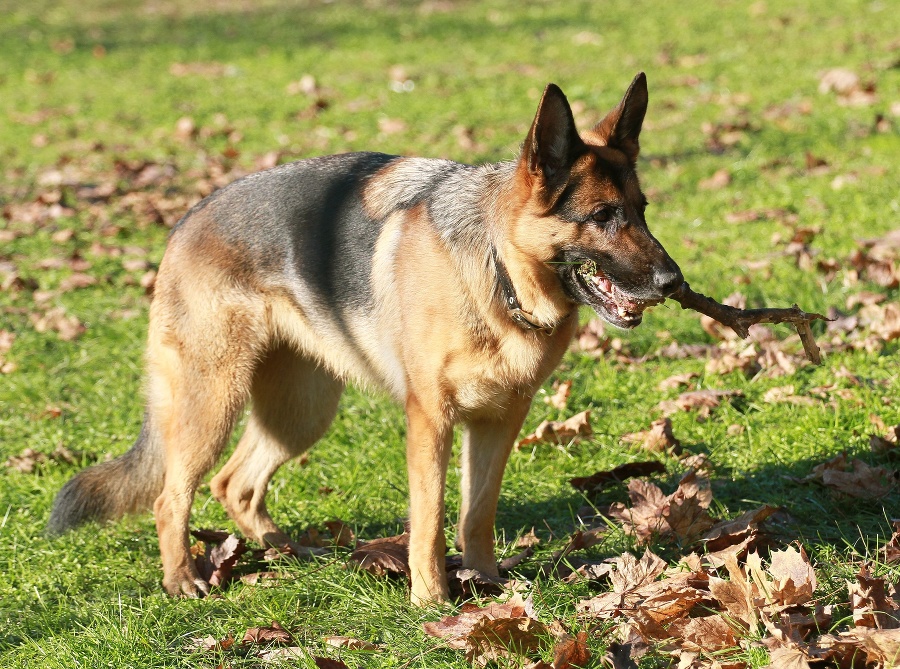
(740, 320)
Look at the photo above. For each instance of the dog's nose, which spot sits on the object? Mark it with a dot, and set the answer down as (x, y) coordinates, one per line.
(669, 279)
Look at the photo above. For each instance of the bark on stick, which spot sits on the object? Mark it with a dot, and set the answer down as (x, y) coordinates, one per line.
(740, 320)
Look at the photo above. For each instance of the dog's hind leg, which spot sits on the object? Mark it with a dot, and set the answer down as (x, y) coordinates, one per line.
(487, 443)
(294, 401)
(203, 347)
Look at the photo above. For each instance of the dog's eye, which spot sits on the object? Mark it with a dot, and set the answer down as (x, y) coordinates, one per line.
(602, 215)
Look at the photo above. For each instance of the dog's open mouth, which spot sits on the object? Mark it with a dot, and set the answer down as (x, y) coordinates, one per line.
(607, 299)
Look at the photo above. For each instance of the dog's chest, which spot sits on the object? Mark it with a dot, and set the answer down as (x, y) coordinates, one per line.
(492, 378)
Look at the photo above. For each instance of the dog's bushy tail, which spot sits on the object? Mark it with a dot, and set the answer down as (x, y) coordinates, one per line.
(109, 490)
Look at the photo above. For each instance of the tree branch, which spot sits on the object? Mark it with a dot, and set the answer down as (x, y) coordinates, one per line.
(740, 320)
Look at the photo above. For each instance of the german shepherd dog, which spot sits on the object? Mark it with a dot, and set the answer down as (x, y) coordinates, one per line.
(454, 288)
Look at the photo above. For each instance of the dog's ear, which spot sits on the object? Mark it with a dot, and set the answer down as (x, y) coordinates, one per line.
(553, 142)
(621, 127)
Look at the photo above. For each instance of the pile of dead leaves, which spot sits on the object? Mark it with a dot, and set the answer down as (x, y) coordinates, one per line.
(710, 615)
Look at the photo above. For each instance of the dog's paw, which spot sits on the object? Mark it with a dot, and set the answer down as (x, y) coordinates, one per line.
(189, 586)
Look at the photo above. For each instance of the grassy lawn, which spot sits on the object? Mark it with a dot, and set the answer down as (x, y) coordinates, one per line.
(188, 95)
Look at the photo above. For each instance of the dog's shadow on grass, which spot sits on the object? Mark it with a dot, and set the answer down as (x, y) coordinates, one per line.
(810, 513)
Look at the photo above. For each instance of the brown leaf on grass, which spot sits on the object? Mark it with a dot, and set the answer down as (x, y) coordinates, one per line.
(788, 658)
(209, 69)
(274, 634)
(388, 555)
(264, 578)
(496, 639)
(28, 460)
(677, 380)
(872, 607)
(68, 327)
(6, 341)
(710, 633)
(328, 663)
(560, 432)
(215, 560)
(720, 179)
(658, 438)
(600, 480)
(702, 401)
(848, 87)
(455, 629)
(469, 583)
(341, 534)
(572, 652)
(590, 571)
(855, 478)
(682, 515)
(591, 337)
(560, 398)
(350, 643)
(630, 577)
(528, 540)
(890, 442)
(786, 395)
(794, 579)
(860, 647)
(891, 549)
(208, 643)
(734, 533)
(76, 281)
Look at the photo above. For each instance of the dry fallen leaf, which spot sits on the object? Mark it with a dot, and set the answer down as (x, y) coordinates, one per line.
(68, 327)
(786, 394)
(702, 401)
(388, 555)
(216, 555)
(658, 438)
(677, 380)
(572, 652)
(274, 634)
(872, 607)
(891, 549)
(496, 639)
(682, 515)
(734, 533)
(350, 642)
(560, 398)
(560, 432)
(28, 460)
(455, 629)
(597, 482)
(855, 478)
(720, 179)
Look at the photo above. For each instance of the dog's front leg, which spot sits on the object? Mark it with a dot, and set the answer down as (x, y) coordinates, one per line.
(429, 441)
(487, 443)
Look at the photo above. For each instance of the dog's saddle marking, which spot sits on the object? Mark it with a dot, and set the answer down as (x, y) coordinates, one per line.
(514, 309)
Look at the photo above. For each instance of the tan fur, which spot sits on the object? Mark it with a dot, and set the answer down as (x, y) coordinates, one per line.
(433, 334)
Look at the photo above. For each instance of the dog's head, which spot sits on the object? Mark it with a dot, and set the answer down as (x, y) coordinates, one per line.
(586, 208)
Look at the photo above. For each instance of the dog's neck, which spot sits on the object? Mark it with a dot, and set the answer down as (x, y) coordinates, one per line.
(519, 316)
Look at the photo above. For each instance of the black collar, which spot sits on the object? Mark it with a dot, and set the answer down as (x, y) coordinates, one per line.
(511, 302)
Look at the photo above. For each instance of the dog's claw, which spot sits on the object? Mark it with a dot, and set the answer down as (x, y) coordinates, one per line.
(188, 587)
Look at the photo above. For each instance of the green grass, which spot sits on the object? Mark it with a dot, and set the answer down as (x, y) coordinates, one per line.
(92, 598)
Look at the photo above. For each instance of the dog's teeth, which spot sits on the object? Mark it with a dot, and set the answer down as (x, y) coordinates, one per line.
(622, 311)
